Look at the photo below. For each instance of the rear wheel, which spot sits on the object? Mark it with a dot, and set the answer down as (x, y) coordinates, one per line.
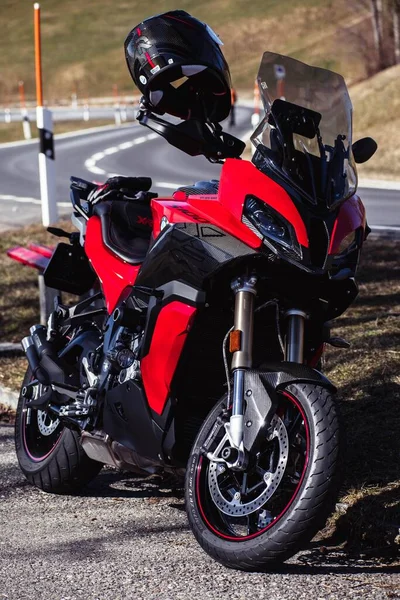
(49, 454)
(256, 518)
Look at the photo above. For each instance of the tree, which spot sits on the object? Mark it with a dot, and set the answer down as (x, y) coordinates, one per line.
(377, 23)
(396, 30)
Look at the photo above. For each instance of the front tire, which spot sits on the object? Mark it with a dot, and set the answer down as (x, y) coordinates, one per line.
(49, 454)
(243, 523)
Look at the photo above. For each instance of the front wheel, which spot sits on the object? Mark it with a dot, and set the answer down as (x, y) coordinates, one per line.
(254, 519)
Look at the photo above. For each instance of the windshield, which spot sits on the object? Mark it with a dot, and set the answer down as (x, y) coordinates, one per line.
(305, 134)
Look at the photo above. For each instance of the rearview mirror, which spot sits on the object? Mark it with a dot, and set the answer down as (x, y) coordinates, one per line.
(364, 149)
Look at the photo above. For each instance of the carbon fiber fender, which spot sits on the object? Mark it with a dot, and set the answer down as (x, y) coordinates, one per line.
(260, 392)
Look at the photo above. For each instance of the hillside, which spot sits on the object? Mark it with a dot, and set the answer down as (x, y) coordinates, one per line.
(377, 114)
(83, 41)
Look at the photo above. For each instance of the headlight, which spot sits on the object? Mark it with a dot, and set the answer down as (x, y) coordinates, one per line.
(347, 244)
(274, 229)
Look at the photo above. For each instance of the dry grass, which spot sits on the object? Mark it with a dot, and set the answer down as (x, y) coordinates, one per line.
(368, 379)
(377, 114)
(91, 59)
(367, 376)
(317, 32)
(11, 132)
(19, 295)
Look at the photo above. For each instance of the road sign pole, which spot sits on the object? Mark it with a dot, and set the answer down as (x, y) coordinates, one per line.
(44, 119)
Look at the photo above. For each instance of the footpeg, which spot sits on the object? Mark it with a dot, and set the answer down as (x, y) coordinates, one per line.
(338, 342)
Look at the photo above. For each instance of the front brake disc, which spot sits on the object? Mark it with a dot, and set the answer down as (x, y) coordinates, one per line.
(271, 479)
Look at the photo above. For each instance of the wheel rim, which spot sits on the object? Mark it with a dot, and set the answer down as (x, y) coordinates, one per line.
(41, 432)
(238, 506)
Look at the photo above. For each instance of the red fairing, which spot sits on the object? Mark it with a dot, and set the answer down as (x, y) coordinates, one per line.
(158, 366)
(239, 178)
(201, 209)
(114, 274)
(351, 216)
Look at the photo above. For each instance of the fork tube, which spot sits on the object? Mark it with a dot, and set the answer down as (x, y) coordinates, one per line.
(245, 291)
(244, 318)
(294, 346)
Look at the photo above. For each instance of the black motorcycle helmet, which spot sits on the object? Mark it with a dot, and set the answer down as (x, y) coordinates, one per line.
(176, 62)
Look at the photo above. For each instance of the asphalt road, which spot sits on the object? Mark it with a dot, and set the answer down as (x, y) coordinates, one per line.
(127, 538)
(130, 150)
(154, 157)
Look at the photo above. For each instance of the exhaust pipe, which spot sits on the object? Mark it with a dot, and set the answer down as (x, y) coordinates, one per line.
(42, 344)
(32, 356)
(41, 357)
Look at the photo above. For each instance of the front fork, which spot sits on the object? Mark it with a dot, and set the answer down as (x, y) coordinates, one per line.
(241, 346)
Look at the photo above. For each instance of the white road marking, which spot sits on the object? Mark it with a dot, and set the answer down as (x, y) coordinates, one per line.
(20, 199)
(378, 184)
(125, 145)
(91, 162)
(167, 186)
(27, 200)
(384, 228)
(112, 150)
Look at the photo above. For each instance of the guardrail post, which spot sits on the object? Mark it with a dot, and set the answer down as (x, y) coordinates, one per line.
(26, 124)
(86, 112)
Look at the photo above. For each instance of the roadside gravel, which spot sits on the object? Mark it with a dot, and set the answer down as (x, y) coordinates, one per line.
(127, 537)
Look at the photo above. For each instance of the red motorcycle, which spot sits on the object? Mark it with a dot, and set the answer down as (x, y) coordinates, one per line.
(202, 322)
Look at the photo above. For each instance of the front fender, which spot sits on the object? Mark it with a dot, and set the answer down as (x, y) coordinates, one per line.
(281, 374)
(260, 392)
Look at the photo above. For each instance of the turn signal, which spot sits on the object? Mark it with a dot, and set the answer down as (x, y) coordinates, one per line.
(235, 341)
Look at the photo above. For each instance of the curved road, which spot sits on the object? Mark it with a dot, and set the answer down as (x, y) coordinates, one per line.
(131, 150)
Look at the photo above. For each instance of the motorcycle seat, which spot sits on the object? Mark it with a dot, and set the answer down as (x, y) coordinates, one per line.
(126, 228)
(201, 188)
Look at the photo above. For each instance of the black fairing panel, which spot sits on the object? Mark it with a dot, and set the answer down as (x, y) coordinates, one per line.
(128, 421)
(84, 341)
(191, 253)
(69, 270)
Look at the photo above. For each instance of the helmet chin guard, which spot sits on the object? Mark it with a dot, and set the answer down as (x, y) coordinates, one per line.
(193, 136)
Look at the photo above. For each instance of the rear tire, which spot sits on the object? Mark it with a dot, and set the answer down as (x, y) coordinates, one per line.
(298, 506)
(53, 461)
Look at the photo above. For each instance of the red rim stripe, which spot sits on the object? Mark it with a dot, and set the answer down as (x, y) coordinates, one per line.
(253, 535)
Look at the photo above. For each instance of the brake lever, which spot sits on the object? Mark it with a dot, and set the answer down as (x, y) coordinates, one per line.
(59, 232)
